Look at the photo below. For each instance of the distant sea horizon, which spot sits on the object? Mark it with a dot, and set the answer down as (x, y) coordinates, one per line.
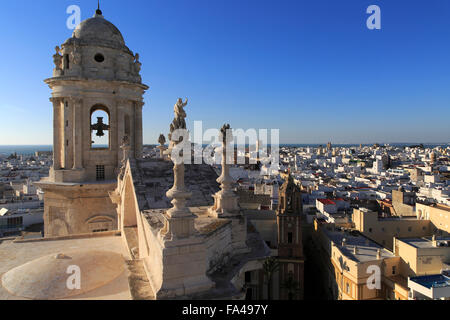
(32, 149)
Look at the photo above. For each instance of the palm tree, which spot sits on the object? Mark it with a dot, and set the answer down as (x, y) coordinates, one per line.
(270, 266)
(292, 287)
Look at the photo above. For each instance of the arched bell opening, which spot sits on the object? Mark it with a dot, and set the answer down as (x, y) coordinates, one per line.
(100, 127)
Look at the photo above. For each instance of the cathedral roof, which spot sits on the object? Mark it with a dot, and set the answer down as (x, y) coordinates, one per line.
(153, 178)
(99, 31)
(45, 277)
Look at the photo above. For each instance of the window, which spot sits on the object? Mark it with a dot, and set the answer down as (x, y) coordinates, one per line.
(370, 229)
(409, 229)
(100, 171)
(99, 58)
(347, 288)
(289, 237)
(66, 61)
(394, 269)
(100, 230)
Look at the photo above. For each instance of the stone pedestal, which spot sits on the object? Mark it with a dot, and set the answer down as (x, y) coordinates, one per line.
(226, 203)
(183, 251)
(180, 221)
(184, 268)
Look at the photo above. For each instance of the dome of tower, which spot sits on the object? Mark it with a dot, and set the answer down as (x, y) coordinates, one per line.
(99, 31)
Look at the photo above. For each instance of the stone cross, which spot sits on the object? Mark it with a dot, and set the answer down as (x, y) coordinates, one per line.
(161, 147)
(225, 201)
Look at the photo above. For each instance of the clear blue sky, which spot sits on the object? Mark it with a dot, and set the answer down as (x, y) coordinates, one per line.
(310, 68)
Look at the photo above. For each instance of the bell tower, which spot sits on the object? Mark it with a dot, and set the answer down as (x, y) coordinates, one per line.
(97, 97)
(290, 244)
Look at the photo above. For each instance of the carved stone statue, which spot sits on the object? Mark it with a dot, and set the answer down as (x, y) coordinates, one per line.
(180, 221)
(136, 68)
(125, 146)
(161, 139)
(137, 64)
(179, 121)
(76, 55)
(161, 147)
(57, 60)
(179, 108)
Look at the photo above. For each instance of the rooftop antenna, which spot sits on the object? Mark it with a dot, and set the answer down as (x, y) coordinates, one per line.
(98, 11)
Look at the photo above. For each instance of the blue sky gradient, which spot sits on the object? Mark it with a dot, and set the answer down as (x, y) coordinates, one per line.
(310, 68)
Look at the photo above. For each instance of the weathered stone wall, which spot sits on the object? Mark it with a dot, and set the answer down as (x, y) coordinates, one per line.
(219, 247)
(78, 210)
(150, 250)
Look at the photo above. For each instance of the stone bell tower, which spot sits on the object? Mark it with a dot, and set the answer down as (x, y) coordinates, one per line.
(290, 245)
(97, 97)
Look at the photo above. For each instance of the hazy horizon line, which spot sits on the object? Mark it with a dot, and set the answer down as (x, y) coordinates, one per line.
(284, 143)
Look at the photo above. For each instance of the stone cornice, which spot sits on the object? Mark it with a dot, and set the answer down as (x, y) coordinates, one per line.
(65, 79)
(56, 99)
(74, 100)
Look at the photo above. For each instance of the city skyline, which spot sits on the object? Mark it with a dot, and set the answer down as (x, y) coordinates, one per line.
(304, 154)
(314, 71)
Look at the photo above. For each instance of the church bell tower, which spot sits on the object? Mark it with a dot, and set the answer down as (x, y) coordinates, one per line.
(97, 97)
(290, 244)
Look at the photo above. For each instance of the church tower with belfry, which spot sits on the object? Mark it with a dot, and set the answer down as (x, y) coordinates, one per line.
(97, 98)
(290, 244)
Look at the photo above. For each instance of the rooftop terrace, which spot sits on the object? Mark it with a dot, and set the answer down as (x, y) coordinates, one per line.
(433, 281)
(425, 242)
(367, 250)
